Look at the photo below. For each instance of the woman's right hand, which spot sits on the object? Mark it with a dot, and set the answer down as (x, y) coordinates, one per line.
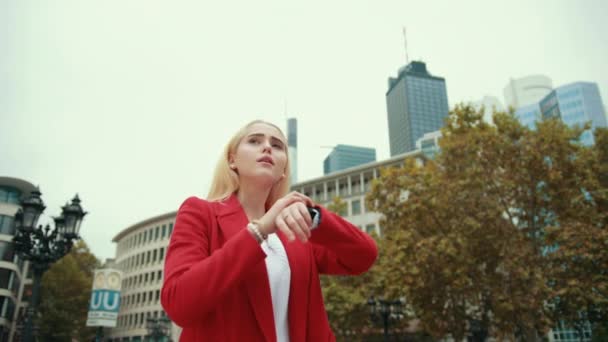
(272, 221)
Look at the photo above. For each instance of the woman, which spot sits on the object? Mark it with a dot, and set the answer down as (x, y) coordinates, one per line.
(244, 264)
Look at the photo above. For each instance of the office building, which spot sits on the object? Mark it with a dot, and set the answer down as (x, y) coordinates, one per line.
(429, 144)
(345, 156)
(292, 145)
(417, 103)
(140, 255)
(13, 270)
(575, 104)
(526, 90)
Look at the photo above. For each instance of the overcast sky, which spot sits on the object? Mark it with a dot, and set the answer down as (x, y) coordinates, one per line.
(129, 103)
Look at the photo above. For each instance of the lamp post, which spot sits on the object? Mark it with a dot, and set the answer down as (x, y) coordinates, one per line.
(42, 246)
(158, 329)
(386, 311)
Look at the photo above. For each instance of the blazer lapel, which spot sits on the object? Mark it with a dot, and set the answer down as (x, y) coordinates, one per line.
(232, 219)
(298, 288)
(230, 216)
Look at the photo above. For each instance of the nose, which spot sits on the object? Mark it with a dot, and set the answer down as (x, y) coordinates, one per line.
(266, 146)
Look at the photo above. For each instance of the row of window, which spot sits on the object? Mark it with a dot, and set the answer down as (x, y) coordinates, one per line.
(9, 194)
(142, 279)
(141, 298)
(317, 192)
(143, 259)
(571, 104)
(138, 320)
(149, 235)
(569, 93)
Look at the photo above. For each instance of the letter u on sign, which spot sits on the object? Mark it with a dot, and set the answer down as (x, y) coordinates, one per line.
(105, 300)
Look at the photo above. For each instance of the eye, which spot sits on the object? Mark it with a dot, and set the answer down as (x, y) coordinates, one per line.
(253, 140)
(278, 145)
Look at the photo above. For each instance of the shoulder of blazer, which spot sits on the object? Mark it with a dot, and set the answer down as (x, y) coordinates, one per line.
(198, 207)
(208, 209)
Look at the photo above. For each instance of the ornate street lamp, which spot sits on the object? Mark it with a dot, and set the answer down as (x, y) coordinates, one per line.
(43, 246)
(385, 311)
(158, 329)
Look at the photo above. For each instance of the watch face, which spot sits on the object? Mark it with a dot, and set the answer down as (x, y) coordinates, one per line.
(100, 281)
(114, 281)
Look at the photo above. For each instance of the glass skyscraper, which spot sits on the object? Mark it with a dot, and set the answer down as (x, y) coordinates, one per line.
(292, 143)
(529, 115)
(345, 156)
(575, 104)
(416, 103)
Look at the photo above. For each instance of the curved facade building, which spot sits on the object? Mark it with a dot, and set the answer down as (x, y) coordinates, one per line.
(11, 267)
(527, 90)
(140, 254)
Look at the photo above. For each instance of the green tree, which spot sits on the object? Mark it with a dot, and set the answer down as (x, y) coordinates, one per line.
(345, 296)
(580, 262)
(66, 290)
(483, 236)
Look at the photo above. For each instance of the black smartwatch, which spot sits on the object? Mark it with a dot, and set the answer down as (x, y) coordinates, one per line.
(315, 214)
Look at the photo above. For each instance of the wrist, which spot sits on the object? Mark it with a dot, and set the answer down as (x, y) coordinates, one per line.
(254, 229)
(262, 226)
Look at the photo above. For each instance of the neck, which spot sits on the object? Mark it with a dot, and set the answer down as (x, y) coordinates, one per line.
(253, 199)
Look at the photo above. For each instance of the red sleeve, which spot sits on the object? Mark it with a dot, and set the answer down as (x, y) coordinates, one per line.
(195, 280)
(340, 247)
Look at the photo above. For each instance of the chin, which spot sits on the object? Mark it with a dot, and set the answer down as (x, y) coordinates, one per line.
(264, 178)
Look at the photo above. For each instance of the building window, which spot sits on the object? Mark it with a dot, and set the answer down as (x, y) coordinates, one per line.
(157, 296)
(154, 254)
(164, 231)
(7, 251)
(156, 232)
(6, 225)
(170, 228)
(162, 254)
(370, 228)
(356, 207)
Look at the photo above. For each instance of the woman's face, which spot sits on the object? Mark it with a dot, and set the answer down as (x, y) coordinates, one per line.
(261, 155)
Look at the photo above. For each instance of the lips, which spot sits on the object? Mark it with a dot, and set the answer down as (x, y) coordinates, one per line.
(266, 159)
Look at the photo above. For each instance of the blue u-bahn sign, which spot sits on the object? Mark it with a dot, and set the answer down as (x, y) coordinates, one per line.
(105, 298)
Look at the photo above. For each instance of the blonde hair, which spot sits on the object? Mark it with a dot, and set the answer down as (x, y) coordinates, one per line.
(226, 181)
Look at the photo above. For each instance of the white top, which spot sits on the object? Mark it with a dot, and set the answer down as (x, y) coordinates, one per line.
(279, 277)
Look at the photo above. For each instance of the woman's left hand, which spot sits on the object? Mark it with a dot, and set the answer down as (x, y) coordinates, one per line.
(294, 221)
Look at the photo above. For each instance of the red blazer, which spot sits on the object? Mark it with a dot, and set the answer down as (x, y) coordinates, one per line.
(216, 285)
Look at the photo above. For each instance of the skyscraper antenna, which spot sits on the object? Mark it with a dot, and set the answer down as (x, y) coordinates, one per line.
(407, 60)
